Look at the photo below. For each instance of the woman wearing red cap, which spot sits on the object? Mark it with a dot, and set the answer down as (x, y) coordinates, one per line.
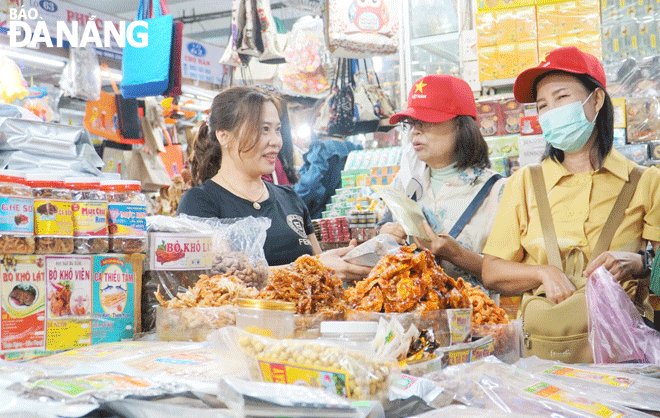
(583, 176)
(445, 169)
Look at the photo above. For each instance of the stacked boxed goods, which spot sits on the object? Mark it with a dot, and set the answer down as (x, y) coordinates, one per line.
(568, 23)
(629, 29)
(335, 230)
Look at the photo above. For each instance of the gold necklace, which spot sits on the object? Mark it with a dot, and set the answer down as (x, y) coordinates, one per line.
(255, 203)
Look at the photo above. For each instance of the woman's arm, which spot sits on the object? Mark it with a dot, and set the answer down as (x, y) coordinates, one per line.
(333, 259)
(513, 278)
(447, 248)
(622, 265)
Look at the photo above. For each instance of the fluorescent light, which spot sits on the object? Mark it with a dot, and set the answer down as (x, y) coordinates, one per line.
(33, 58)
(304, 131)
(378, 64)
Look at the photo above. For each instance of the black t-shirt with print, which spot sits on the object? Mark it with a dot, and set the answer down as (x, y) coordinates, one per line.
(286, 239)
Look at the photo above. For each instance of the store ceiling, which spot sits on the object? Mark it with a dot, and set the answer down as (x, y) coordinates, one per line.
(212, 25)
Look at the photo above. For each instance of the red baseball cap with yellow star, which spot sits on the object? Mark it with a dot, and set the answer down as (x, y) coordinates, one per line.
(437, 98)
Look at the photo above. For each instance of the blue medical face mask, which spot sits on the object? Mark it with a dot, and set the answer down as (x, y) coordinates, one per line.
(567, 128)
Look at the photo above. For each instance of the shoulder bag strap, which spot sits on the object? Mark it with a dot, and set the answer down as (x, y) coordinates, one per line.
(616, 215)
(473, 206)
(547, 226)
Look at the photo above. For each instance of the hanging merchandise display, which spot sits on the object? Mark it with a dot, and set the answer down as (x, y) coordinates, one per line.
(250, 41)
(172, 156)
(342, 102)
(13, 84)
(174, 82)
(313, 7)
(358, 30)
(230, 56)
(146, 69)
(304, 73)
(102, 116)
(81, 77)
(272, 51)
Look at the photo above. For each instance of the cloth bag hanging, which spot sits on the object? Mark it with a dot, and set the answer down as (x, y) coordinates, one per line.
(172, 156)
(271, 50)
(146, 70)
(101, 117)
(358, 30)
(230, 56)
(174, 82)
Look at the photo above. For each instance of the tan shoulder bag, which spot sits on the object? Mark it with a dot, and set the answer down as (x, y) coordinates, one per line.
(560, 331)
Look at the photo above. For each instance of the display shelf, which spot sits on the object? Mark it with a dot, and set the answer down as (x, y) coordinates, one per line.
(503, 83)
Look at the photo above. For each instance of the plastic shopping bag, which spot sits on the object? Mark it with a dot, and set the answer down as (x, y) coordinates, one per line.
(617, 332)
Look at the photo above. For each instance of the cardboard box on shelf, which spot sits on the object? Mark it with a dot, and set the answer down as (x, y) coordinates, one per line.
(509, 146)
(588, 42)
(512, 112)
(638, 153)
(488, 63)
(506, 26)
(619, 105)
(572, 17)
(531, 148)
(69, 301)
(514, 58)
(489, 118)
(611, 44)
(529, 125)
(23, 325)
(642, 119)
(619, 137)
(654, 150)
(485, 5)
(116, 291)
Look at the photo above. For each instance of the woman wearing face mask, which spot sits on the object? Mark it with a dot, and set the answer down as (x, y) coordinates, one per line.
(239, 144)
(445, 169)
(583, 177)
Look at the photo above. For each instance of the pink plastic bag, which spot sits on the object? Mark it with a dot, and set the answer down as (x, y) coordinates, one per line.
(617, 332)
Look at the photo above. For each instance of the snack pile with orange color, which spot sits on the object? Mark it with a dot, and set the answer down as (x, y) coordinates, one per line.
(307, 283)
(406, 282)
(484, 309)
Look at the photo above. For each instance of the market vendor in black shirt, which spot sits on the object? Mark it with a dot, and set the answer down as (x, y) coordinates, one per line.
(230, 154)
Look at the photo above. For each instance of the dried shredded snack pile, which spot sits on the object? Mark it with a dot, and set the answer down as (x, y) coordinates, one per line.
(308, 283)
(406, 282)
(219, 290)
(484, 309)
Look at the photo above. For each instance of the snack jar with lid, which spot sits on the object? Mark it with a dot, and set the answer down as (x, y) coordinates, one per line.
(53, 221)
(127, 216)
(89, 208)
(270, 318)
(16, 214)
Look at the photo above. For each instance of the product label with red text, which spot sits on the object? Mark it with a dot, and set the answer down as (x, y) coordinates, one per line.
(169, 251)
(16, 216)
(114, 301)
(90, 218)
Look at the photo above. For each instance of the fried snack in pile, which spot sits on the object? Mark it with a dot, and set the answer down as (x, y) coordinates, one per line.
(484, 309)
(407, 281)
(219, 290)
(308, 283)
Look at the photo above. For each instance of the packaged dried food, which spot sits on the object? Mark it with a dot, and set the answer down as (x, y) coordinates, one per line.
(17, 214)
(507, 339)
(192, 324)
(90, 212)
(53, 221)
(341, 371)
(127, 214)
(308, 326)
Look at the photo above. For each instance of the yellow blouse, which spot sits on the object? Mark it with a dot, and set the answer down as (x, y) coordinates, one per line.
(580, 204)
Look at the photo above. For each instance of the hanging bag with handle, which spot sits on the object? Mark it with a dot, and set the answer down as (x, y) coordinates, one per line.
(174, 81)
(146, 69)
(102, 116)
(342, 120)
(559, 331)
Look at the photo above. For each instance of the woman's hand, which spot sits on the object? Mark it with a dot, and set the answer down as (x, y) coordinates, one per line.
(395, 230)
(344, 270)
(557, 286)
(621, 265)
(441, 245)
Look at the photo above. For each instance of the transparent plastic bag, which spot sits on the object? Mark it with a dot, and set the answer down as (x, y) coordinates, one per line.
(370, 252)
(341, 371)
(617, 332)
(81, 77)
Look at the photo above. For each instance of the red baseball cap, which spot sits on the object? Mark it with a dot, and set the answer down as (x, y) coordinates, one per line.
(438, 98)
(569, 59)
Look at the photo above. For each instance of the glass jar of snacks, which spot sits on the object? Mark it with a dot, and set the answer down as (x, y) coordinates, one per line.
(53, 221)
(127, 216)
(270, 318)
(89, 209)
(17, 214)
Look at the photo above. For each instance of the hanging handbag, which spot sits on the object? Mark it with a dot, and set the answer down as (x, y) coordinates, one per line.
(102, 116)
(559, 331)
(129, 120)
(360, 30)
(271, 50)
(342, 120)
(250, 36)
(145, 70)
(172, 156)
(230, 56)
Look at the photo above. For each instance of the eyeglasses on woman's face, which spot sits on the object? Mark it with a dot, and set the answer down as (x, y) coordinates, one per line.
(418, 125)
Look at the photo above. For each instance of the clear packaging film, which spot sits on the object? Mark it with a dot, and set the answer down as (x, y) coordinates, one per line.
(492, 385)
(347, 373)
(631, 390)
(370, 252)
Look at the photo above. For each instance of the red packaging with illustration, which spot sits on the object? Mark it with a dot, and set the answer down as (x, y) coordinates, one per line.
(489, 118)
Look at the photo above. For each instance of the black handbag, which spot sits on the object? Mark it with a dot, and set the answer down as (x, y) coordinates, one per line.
(129, 120)
(342, 117)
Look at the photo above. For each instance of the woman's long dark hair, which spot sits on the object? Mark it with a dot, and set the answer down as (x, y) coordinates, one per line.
(233, 111)
(471, 148)
(604, 120)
